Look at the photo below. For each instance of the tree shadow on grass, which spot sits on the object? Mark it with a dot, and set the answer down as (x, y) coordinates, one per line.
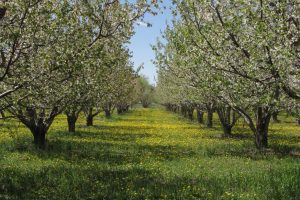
(104, 135)
(248, 150)
(113, 128)
(58, 181)
(97, 150)
(90, 182)
(280, 146)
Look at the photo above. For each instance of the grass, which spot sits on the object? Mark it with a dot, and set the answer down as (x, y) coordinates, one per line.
(149, 154)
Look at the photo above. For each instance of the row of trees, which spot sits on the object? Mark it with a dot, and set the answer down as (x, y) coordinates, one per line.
(66, 56)
(146, 91)
(236, 58)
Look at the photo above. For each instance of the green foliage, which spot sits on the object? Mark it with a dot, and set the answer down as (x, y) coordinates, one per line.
(238, 54)
(149, 154)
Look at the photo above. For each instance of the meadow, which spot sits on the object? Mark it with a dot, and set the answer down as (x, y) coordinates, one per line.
(149, 154)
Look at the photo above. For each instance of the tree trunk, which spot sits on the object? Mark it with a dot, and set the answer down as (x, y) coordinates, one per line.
(298, 121)
(119, 110)
(183, 111)
(275, 117)
(227, 130)
(227, 122)
(190, 113)
(89, 120)
(2, 114)
(209, 123)
(72, 118)
(2, 12)
(39, 134)
(262, 128)
(261, 138)
(107, 113)
(200, 116)
(89, 117)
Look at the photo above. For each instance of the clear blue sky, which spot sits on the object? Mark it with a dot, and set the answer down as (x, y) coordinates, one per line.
(144, 37)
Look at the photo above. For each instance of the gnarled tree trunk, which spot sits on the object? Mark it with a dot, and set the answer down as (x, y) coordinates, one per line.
(38, 122)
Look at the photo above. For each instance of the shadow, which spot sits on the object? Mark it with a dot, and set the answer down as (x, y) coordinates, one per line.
(59, 181)
(126, 128)
(97, 150)
(105, 135)
(249, 151)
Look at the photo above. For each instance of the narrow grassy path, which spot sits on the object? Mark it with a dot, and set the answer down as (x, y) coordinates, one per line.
(148, 154)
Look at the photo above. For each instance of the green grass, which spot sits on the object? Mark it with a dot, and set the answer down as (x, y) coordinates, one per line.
(149, 154)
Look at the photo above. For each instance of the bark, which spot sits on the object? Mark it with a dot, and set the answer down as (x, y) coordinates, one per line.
(200, 116)
(209, 119)
(107, 113)
(2, 114)
(209, 122)
(261, 138)
(228, 118)
(39, 135)
(37, 121)
(263, 118)
(210, 112)
(2, 12)
(261, 127)
(90, 116)
(145, 104)
(275, 117)
(183, 110)
(190, 113)
(227, 130)
(72, 119)
(120, 110)
(89, 120)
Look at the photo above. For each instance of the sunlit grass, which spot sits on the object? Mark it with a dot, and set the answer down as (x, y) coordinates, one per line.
(149, 154)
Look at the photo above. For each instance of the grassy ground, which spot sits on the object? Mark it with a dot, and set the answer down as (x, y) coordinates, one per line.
(149, 154)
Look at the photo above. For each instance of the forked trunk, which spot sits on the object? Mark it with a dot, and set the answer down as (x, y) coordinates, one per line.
(227, 118)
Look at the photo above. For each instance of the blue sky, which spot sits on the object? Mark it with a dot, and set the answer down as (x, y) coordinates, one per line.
(144, 37)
